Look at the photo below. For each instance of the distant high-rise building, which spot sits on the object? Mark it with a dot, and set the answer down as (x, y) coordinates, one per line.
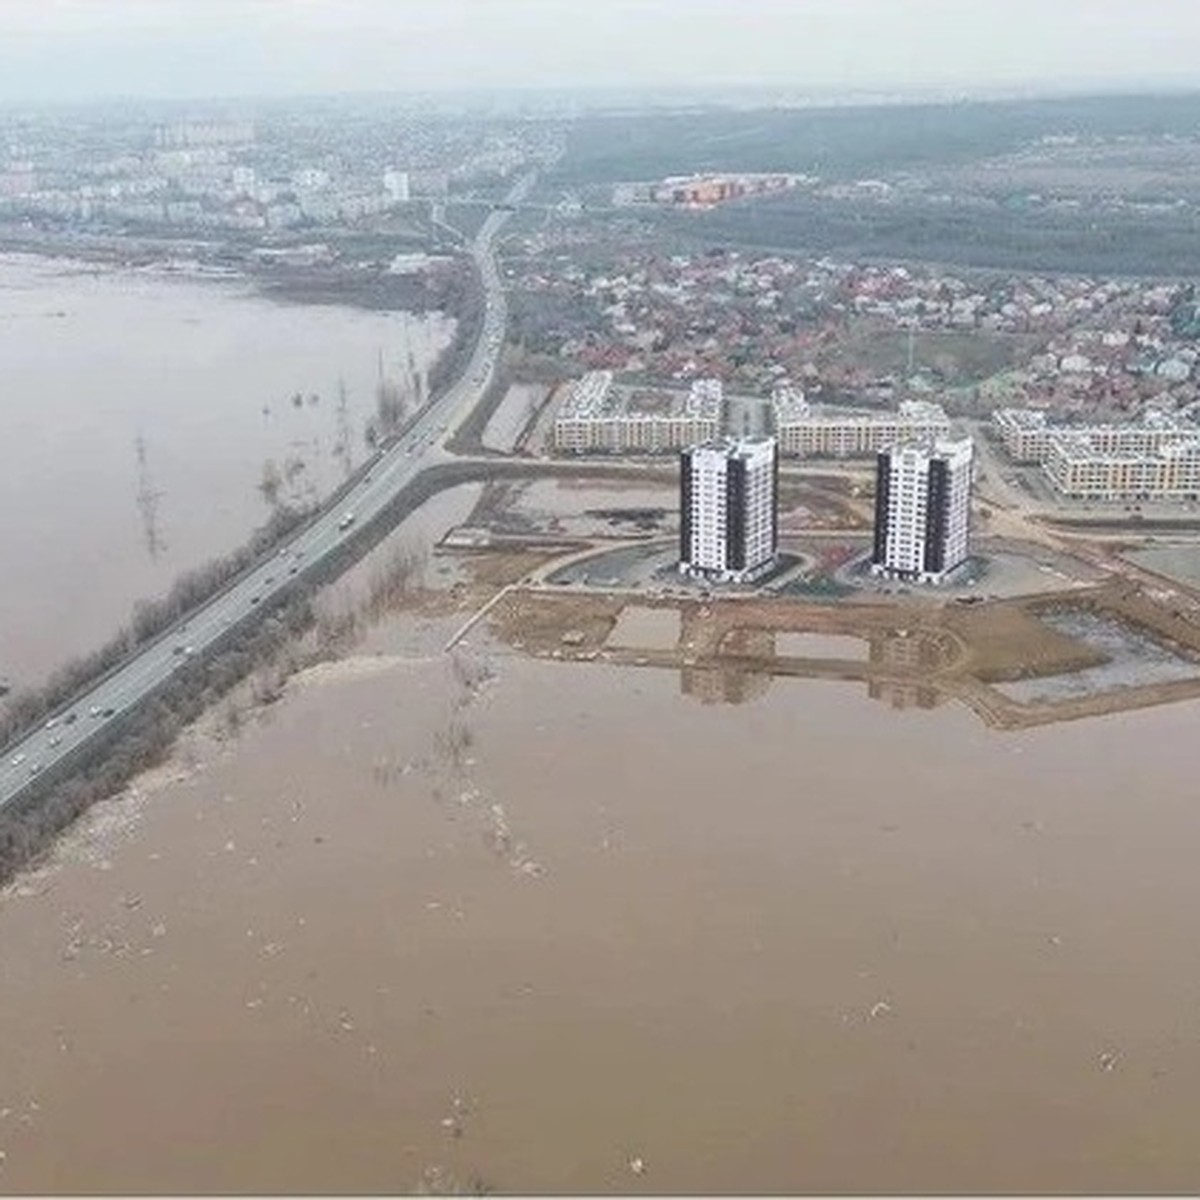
(922, 509)
(728, 517)
(395, 184)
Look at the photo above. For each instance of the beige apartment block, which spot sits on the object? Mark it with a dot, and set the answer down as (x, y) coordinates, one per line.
(1027, 434)
(1080, 467)
(807, 431)
(596, 417)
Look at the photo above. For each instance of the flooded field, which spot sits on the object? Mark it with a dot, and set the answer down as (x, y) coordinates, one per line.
(1016, 662)
(1179, 562)
(820, 645)
(650, 628)
(140, 415)
(564, 498)
(1134, 659)
(521, 404)
(653, 923)
(428, 924)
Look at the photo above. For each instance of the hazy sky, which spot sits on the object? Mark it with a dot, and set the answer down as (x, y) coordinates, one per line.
(70, 49)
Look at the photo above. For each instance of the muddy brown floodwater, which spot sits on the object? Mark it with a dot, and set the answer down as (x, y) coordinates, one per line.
(139, 411)
(481, 922)
(495, 923)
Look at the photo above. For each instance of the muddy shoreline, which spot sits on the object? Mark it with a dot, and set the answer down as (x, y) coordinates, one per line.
(198, 261)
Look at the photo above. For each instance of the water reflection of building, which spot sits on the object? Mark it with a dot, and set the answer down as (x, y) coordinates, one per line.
(724, 680)
(905, 652)
(904, 695)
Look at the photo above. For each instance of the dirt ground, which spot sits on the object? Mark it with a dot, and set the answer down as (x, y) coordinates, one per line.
(919, 649)
(930, 649)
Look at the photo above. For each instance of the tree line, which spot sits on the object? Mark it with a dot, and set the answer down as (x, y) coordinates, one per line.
(1000, 237)
(143, 737)
(149, 618)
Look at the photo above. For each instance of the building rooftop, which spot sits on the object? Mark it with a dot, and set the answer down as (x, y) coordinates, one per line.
(737, 447)
(936, 446)
(1028, 419)
(1033, 420)
(1080, 447)
(791, 405)
(594, 398)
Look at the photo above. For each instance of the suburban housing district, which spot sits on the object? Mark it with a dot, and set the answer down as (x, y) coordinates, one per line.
(987, 452)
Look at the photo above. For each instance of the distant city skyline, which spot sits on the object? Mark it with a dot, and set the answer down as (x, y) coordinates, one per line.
(72, 50)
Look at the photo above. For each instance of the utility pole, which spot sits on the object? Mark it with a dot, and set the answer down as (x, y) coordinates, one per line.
(147, 498)
(341, 447)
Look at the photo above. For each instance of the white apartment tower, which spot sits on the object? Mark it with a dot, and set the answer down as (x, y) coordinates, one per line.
(728, 517)
(922, 509)
(395, 184)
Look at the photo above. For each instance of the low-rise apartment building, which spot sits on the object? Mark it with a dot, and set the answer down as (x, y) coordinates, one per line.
(808, 431)
(1027, 434)
(1084, 469)
(595, 416)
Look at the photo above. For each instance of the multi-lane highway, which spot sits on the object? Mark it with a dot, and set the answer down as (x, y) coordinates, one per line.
(421, 446)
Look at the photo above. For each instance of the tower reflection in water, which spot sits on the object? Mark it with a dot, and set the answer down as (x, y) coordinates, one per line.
(739, 667)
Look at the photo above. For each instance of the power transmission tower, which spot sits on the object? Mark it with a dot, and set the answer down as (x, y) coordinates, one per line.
(147, 498)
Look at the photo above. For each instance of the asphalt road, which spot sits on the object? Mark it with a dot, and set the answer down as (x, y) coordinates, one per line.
(422, 447)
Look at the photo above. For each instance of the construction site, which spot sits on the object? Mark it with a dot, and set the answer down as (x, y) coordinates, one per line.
(1016, 663)
(1033, 634)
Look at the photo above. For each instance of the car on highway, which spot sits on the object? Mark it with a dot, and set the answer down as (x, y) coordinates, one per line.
(254, 599)
(94, 711)
(17, 760)
(346, 521)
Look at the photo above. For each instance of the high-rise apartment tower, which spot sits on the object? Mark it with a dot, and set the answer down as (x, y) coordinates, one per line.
(922, 509)
(728, 516)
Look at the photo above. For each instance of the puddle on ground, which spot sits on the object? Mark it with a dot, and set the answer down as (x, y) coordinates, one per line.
(641, 628)
(820, 645)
